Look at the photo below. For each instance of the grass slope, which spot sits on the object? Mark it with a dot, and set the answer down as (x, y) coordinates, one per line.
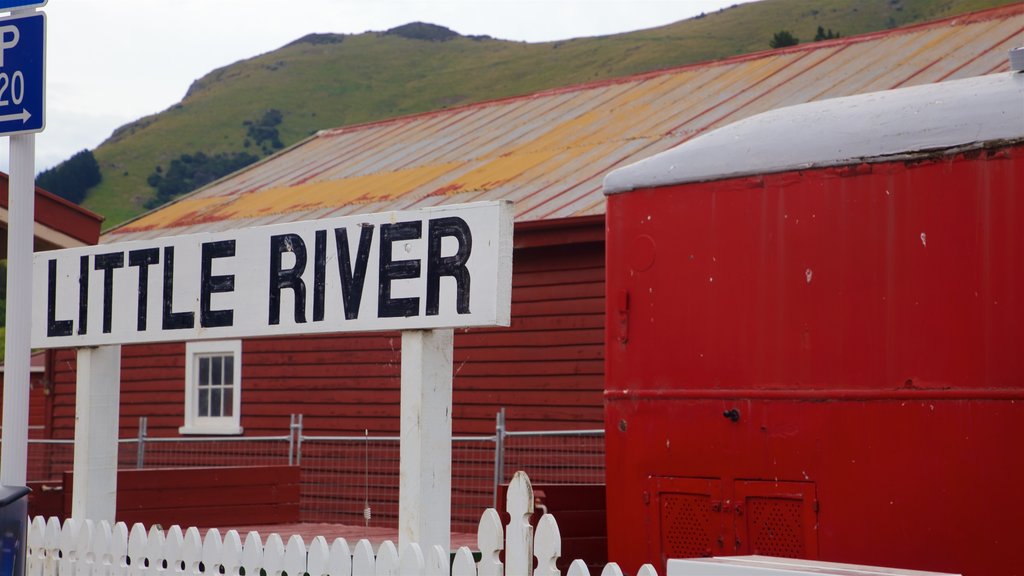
(333, 80)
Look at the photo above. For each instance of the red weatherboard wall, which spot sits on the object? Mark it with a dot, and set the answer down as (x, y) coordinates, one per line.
(546, 369)
(38, 420)
(865, 322)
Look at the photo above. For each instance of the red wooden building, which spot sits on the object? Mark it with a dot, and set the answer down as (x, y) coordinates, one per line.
(814, 343)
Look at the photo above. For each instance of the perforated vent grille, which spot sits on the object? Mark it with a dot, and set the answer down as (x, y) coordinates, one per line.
(685, 525)
(775, 527)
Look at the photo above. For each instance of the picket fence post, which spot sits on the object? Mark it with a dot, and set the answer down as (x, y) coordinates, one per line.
(437, 561)
(490, 540)
(411, 560)
(464, 564)
(547, 546)
(519, 536)
(363, 561)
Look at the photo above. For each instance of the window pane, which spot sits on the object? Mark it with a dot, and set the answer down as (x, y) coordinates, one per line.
(216, 369)
(215, 402)
(229, 402)
(229, 369)
(204, 371)
(204, 402)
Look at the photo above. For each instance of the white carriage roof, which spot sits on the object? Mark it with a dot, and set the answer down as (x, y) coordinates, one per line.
(839, 131)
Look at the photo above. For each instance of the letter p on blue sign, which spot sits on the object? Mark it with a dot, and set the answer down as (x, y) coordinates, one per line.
(22, 74)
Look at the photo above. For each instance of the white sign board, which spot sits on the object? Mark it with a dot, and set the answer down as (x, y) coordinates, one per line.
(437, 268)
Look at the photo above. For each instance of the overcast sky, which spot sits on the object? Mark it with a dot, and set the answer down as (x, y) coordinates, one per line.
(109, 62)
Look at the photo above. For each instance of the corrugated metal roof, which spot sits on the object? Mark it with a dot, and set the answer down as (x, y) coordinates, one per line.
(549, 151)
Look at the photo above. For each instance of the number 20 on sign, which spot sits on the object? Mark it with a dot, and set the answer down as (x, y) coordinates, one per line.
(22, 72)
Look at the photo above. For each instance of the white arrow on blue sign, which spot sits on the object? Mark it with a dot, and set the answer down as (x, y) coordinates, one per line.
(22, 74)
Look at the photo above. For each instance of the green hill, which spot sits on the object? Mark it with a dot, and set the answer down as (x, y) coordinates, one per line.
(326, 80)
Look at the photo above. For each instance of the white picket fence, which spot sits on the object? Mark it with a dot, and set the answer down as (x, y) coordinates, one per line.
(84, 548)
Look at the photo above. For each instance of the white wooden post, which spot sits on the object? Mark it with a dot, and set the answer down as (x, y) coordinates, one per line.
(425, 480)
(94, 493)
(519, 535)
(17, 355)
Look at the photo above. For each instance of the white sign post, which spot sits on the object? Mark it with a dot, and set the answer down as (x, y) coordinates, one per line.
(422, 272)
(22, 50)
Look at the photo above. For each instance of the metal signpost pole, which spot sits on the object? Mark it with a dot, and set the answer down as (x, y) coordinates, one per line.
(21, 98)
(17, 353)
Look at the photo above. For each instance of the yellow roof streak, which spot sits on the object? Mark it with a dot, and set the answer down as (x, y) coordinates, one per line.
(334, 193)
(498, 171)
(191, 208)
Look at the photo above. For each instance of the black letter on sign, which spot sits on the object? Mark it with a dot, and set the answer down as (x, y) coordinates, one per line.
(210, 284)
(83, 294)
(107, 263)
(143, 259)
(280, 279)
(173, 320)
(353, 277)
(54, 327)
(454, 266)
(397, 270)
(319, 274)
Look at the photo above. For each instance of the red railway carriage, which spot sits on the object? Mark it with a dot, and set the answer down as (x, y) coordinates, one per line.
(815, 335)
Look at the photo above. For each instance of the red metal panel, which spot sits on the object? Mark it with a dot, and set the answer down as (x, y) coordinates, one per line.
(864, 323)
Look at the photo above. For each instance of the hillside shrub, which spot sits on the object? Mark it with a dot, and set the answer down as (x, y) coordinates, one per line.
(189, 172)
(263, 132)
(821, 34)
(783, 38)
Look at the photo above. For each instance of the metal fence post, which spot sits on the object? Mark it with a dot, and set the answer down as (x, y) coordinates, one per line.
(140, 456)
(298, 441)
(499, 453)
(291, 439)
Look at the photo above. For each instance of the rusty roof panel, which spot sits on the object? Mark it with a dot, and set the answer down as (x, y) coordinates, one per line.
(549, 151)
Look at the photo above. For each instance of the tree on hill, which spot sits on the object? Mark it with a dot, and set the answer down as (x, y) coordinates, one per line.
(72, 178)
(821, 34)
(783, 38)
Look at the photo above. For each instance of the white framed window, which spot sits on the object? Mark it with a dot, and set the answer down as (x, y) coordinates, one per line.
(213, 387)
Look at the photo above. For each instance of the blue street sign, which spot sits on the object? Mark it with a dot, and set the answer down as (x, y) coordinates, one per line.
(22, 59)
(9, 4)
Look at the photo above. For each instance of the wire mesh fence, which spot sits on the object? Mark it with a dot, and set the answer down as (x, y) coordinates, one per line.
(562, 457)
(354, 479)
(208, 452)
